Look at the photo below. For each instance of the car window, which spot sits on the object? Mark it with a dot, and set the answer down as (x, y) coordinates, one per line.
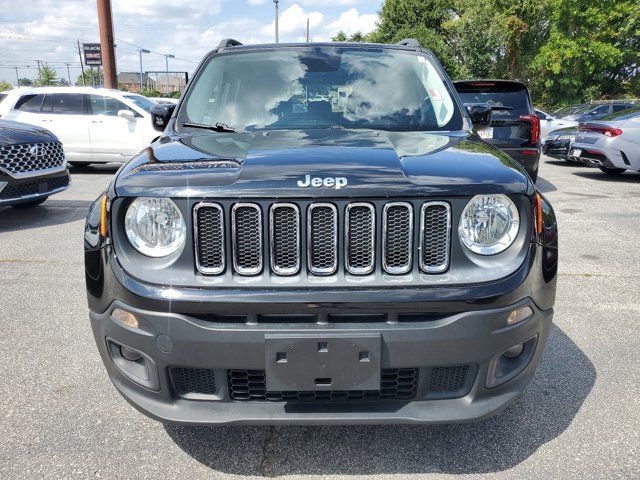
(541, 115)
(619, 108)
(102, 105)
(64, 104)
(600, 110)
(322, 87)
(2, 96)
(143, 102)
(29, 103)
(507, 99)
(626, 114)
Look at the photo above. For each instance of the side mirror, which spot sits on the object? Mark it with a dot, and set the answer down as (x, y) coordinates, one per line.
(160, 115)
(127, 115)
(480, 114)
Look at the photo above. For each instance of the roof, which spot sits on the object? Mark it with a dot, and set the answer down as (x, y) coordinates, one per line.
(130, 77)
(500, 81)
(35, 90)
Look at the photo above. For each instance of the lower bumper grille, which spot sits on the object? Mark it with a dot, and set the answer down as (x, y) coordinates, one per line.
(396, 384)
(35, 187)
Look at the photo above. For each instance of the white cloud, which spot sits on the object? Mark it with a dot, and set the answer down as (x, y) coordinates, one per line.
(256, 2)
(351, 22)
(293, 23)
(327, 3)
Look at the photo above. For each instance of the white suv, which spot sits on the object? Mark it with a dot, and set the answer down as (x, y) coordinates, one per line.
(95, 125)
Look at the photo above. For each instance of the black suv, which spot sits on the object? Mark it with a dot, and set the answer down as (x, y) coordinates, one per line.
(32, 164)
(515, 128)
(319, 237)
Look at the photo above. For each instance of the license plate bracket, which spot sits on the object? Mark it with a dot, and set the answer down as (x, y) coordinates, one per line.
(322, 362)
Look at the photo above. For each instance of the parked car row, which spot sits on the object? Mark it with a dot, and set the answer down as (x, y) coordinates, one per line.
(94, 125)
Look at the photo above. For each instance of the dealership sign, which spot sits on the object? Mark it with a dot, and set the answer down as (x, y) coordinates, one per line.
(92, 54)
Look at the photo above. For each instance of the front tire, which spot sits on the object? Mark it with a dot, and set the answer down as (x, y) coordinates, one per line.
(612, 171)
(34, 203)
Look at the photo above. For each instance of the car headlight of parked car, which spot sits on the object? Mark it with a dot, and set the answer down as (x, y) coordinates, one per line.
(155, 226)
(489, 224)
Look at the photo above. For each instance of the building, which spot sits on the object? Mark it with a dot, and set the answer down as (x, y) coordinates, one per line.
(131, 81)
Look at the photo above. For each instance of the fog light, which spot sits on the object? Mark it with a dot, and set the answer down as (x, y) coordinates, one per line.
(124, 317)
(519, 314)
(514, 351)
(130, 354)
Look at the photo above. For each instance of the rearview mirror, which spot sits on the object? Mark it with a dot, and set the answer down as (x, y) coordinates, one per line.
(160, 115)
(127, 115)
(480, 114)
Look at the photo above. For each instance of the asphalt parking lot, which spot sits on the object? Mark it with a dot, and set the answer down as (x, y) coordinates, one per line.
(580, 417)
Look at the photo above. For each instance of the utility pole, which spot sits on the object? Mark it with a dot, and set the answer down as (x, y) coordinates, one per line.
(166, 61)
(17, 77)
(277, 33)
(38, 63)
(141, 51)
(307, 30)
(105, 22)
(84, 83)
(68, 73)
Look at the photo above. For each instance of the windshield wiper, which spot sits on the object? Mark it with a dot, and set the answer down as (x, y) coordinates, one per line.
(217, 127)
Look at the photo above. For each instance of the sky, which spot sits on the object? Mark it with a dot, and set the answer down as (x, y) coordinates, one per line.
(48, 30)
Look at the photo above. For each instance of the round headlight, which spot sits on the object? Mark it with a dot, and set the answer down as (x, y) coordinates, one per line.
(489, 224)
(155, 226)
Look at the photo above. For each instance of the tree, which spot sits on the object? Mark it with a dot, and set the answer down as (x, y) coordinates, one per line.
(91, 77)
(25, 82)
(342, 37)
(593, 51)
(46, 76)
(5, 86)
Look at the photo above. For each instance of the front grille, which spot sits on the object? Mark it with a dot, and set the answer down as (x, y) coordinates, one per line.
(247, 238)
(322, 233)
(31, 157)
(209, 221)
(317, 229)
(396, 384)
(397, 240)
(360, 232)
(435, 225)
(285, 238)
(36, 187)
(194, 380)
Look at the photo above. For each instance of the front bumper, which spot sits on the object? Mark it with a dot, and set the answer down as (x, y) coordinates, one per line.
(30, 189)
(461, 326)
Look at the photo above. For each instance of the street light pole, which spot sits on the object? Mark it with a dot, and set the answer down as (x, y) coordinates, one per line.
(141, 51)
(166, 60)
(277, 34)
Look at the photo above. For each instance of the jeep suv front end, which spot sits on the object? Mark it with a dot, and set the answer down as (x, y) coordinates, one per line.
(300, 247)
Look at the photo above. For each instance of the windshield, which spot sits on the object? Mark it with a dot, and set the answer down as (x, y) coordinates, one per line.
(311, 87)
(143, 102)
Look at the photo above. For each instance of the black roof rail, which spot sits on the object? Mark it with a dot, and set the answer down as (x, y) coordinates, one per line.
(228, 42)
(409, 42)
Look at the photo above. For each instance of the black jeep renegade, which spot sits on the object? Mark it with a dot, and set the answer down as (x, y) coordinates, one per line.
(319, 236)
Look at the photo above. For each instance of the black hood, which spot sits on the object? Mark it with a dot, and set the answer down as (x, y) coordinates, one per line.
(13, 133)
(374, 163)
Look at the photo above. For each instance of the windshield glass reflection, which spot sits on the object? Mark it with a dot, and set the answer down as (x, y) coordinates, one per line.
(319, 88)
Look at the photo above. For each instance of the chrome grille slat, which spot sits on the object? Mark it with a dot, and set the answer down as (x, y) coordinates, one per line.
(284, 219)
(360, 232)
(435, 233)
(397, 237)
(246, 232)
(322, 238)
(208, 221)
(17, 160)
